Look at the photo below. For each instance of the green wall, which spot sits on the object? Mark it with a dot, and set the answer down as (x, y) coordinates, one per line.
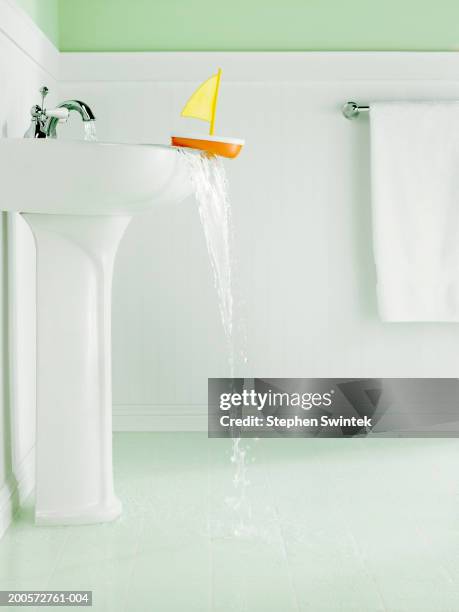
(45, 13)
(256, 25)
(238, 25)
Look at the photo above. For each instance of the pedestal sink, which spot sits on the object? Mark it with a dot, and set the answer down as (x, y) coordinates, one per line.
(78, 198)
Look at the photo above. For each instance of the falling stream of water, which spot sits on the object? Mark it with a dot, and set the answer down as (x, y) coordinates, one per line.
(211, 191)
(90, 133)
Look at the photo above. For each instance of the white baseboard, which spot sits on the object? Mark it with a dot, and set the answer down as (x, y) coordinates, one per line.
(16, 489)
(170, 417)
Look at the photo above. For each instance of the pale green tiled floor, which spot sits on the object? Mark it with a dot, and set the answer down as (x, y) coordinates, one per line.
(341, 525)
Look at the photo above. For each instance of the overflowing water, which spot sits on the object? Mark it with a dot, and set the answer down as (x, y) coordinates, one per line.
(211, 191)
(210, 185)
(90, 133)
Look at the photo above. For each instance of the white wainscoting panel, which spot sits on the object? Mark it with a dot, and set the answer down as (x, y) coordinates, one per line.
(27, 61)
(301, 201)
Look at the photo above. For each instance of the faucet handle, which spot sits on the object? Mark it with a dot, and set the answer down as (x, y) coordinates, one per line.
(38, 117)
(44, 91)
(35, 111)
(62, 114)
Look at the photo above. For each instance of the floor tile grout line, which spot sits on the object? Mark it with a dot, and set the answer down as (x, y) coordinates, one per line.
(281, 537)
(424, 536)
(361, 557)
(59, 555)
(443, 568)
(135, 554)
(211, 601)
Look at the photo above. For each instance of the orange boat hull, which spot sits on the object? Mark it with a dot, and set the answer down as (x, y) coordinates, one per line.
(215, 147)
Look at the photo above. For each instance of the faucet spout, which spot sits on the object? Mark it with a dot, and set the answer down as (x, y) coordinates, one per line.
(44, 121)
(81, 108)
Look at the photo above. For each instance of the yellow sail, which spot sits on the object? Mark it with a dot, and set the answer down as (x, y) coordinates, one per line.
(203, 102)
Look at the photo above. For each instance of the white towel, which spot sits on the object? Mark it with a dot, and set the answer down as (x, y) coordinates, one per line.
(415, 202)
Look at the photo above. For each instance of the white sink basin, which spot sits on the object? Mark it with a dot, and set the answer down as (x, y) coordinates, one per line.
(78, 198)
(78, 177)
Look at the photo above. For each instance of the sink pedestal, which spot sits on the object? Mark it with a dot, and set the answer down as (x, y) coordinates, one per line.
(74, 475)
(78, 220)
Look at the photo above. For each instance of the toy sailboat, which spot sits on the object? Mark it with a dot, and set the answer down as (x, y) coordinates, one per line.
(203, 105)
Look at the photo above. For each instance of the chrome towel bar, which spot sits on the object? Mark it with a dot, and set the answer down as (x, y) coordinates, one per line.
(351, 110)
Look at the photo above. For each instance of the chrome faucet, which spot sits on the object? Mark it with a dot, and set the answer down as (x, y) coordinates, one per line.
(44, 122)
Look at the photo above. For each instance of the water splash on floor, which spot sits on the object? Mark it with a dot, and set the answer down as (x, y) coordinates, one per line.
(239, 503)
(90, 132)
(211, 191)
